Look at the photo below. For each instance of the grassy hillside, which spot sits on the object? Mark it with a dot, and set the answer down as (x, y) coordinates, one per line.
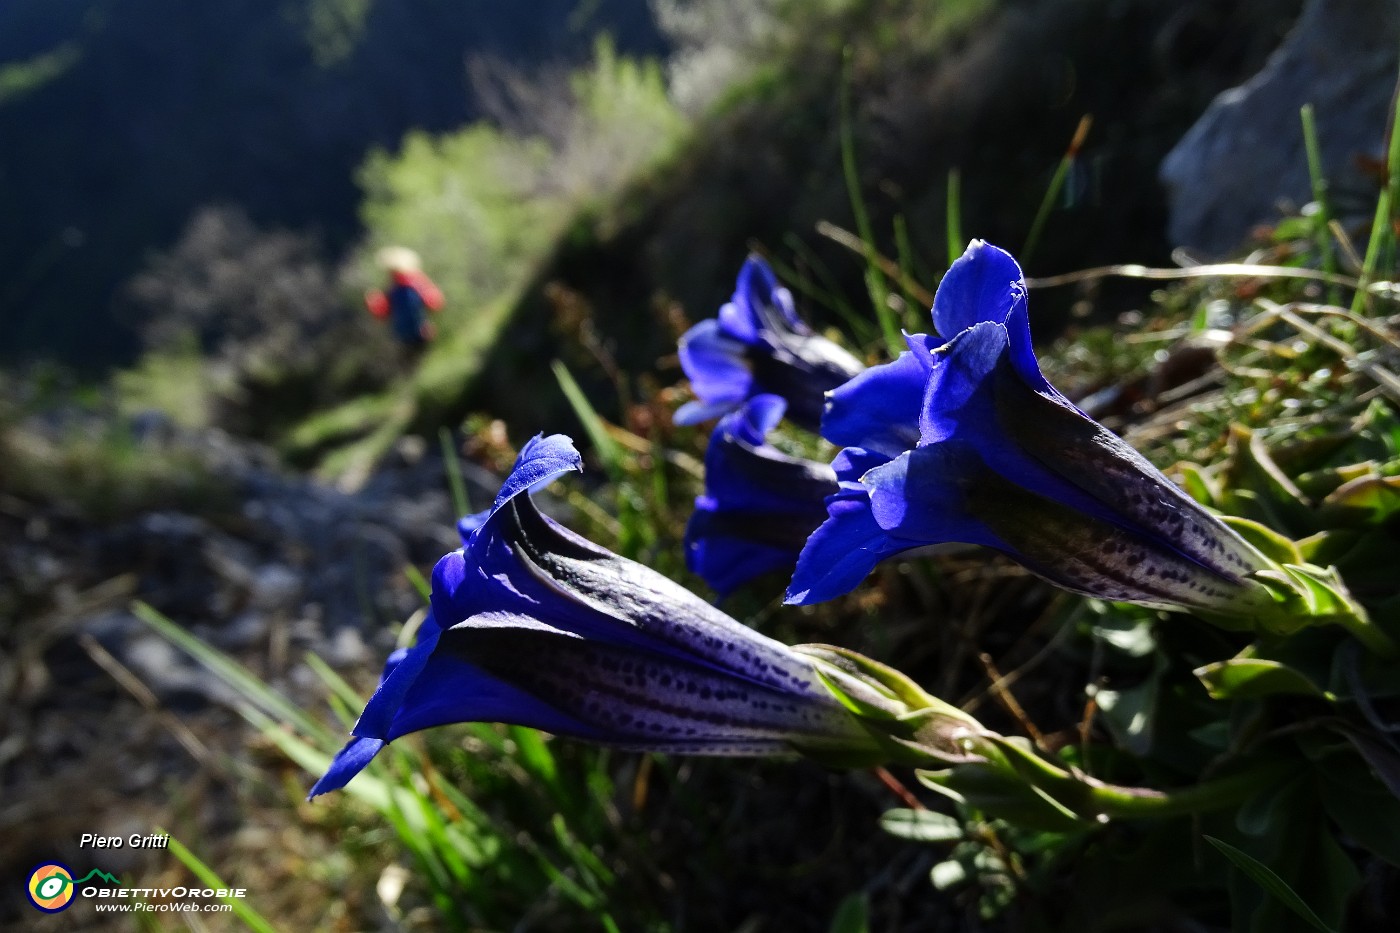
(993, 90)
(121, 120)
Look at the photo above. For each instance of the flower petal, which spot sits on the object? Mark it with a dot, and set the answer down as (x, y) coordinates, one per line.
(842, 551)
(637, 698)
(469, 523)
(759, 304)
(743, 472)
(715, 364)
(348, 762)
(727, 548)
(1097, 558)
(986, 284)
(738, 322)
(452, 688)
(400, 673)
(1123, 486)
(727, 562)
(921, 496)
(759, 504)
(972, 384)
(614, 600)
(956, 399)
(756, 419)
(852, 463)
(695, 412)
(879, 409)
(542, 460)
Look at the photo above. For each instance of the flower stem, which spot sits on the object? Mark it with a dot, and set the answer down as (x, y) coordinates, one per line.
(1370, 635)
(1135, 803)
(1096, 801)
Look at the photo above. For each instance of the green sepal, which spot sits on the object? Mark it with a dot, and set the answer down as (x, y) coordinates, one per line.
(868, 688)
(1310, 595)
(1268, 542)
(1199, 484)
(907, 725)
(1252, 678)
(1003, 795)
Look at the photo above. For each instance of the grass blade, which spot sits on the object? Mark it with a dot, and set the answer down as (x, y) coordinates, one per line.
(1382, 229)
(1264, 876)
(606, 448)
(334, 681)
(242, 680)
(455, 484)
(874, 278)
(419, 582)
(953, 216)
(904, 255)
(1057, 181)
(241, 909)
(1323, 221)
(821, 287)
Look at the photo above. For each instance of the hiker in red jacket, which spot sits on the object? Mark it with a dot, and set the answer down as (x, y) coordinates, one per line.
(407, 299)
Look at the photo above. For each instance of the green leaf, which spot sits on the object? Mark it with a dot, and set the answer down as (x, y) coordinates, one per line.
(852, 914)
(1361, 806)
(953, 216)
(1259, 816)
(948, 874)
(1370, 499)
(534, 755)
(1325, 593)
(1130, 635)
(873, 689)
(1131, 714)
(1251, 678)
(1380, 754)
(337, 685)
(1253, 469)
(922, 825)
(1270, 882)
(874, 278)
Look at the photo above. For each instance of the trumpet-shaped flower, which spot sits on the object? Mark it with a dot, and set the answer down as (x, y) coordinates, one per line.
(533, 625)
(963, 439)
(758, 345)
(759, 506)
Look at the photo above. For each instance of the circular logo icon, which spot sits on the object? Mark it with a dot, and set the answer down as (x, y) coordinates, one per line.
(51, 887)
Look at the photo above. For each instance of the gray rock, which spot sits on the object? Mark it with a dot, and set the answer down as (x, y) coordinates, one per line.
(345, 648)
(1245, 155)
(275, 586)
(242, 632)
(172, 675)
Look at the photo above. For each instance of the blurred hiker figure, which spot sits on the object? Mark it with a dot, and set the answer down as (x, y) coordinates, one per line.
(407, 299)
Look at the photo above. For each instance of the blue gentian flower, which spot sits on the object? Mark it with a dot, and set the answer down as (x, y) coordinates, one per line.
(963, 439)
(759, 504)
(533, 625)
(469, 523)
(757, 345)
